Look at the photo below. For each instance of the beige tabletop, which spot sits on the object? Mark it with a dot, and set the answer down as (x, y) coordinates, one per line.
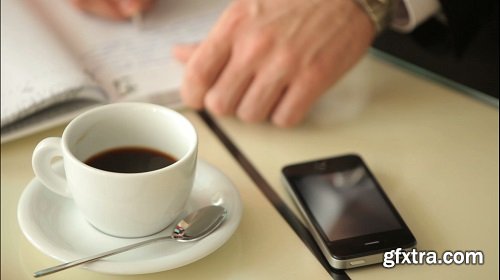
(433, 149)
(263, 246)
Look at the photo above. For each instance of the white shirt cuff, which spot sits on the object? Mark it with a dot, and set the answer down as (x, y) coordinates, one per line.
(410, 13)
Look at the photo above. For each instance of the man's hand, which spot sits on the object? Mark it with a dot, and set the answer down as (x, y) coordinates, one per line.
(272, 59)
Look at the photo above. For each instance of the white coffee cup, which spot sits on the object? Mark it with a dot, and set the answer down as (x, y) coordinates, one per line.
(122, 204)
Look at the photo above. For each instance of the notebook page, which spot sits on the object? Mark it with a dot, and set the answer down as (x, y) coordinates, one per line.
(129, 62)
(37, 71)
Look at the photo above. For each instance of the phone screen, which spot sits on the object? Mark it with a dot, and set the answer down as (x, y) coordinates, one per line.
(345, 201)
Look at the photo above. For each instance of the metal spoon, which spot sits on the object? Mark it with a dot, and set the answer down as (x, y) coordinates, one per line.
(194, 226)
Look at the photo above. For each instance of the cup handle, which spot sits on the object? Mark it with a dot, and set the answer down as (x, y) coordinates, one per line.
(43, 155)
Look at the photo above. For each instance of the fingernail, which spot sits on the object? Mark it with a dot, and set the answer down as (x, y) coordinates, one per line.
(129, 8)
(284, 120)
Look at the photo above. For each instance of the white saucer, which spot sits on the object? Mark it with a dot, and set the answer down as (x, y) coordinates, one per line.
(54, 226)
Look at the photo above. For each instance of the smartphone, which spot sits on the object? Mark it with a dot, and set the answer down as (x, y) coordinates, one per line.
(347, 212)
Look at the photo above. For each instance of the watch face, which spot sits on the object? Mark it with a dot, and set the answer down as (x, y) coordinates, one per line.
(379, 11)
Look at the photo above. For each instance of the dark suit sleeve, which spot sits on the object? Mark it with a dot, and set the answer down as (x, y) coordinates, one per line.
(466, 18)
(463, 49)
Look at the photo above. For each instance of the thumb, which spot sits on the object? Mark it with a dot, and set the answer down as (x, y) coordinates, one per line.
(183, 52)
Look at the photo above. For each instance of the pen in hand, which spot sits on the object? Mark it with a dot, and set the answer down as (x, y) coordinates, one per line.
(137, 20)
(134, 9)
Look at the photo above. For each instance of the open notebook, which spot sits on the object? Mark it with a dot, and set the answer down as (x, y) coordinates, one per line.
(58, 61)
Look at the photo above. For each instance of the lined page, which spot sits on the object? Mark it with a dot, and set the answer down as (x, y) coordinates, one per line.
(131, 62)
(37, 70)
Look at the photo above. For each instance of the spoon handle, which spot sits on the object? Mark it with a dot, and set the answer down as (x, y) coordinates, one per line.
(67, 265)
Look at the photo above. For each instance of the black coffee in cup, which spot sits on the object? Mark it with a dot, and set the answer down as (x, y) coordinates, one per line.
(130, 160)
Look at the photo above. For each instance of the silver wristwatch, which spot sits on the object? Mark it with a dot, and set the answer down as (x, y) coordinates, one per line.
(379, 11)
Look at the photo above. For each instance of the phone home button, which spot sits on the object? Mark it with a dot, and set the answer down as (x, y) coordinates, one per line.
(357, 262)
